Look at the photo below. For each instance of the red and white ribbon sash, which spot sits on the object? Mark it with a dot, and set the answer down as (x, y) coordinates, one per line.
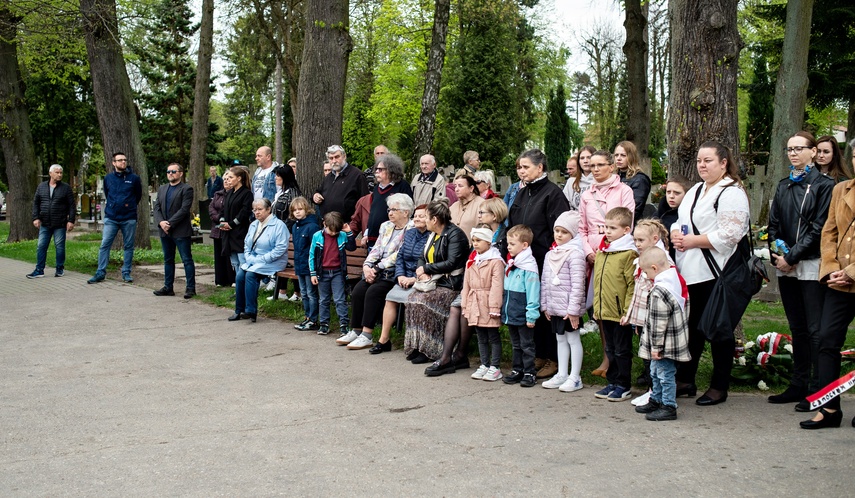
(832, 390)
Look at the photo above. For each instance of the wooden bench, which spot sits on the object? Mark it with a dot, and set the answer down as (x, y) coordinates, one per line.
(355, 260)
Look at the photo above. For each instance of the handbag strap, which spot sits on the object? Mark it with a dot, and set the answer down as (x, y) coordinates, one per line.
(711, 262)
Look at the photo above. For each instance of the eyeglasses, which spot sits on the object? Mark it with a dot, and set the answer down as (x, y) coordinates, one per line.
(395, 209)
(797, 149)
(172, 172)
(379, 169)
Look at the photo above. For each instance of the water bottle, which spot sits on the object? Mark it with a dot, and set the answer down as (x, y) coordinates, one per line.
(684, 229)
(781, 247)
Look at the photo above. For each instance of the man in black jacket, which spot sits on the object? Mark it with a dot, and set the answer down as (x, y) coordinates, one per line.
(54, 211)
(172, 216)
(340, 190)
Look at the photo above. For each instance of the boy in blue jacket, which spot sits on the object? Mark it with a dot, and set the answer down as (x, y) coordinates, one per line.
(328, 268)
(521, 304)
(303, 231)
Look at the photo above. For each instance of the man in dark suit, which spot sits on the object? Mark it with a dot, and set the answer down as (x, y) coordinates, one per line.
(214, 183)
(172, 215)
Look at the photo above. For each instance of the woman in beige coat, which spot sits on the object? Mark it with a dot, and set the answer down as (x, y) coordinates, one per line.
(482, 300)
(837, 270)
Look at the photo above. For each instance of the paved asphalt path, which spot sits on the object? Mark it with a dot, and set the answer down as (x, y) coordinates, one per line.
(107, 390)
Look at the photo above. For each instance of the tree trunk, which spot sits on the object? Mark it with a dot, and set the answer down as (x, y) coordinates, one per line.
(636, 48)
(433, 79)
(201, 102)
(705, 47)
(16, 138)
(790, 98)
(323, 73)
(114, 103)
(277, 113)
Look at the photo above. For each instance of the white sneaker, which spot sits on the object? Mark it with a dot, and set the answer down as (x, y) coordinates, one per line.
(347, 338)
(294, 298)
(641, 400)
(493, 374)
(271, 285)
(479, 374)
(360, 342)
(281, 296)
(555, 382)
(571, 385)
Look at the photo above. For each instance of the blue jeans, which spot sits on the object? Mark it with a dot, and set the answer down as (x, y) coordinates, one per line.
(45, 234)
(310, 297)
(331, 285)
(663, 373)
(111, 228)
(169, 245)
(246, 291)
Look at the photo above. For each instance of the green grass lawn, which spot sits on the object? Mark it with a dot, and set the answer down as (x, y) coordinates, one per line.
(81, 252)
(82, 255)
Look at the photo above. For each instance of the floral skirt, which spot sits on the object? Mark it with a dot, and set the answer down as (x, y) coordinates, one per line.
(427, 314)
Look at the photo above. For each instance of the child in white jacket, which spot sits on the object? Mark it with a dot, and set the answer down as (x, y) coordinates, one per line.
(562, 299)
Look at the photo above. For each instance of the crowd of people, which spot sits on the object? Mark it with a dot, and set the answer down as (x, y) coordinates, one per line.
(543, 261)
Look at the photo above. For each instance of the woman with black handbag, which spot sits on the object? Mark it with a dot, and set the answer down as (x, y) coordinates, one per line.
(712, 221)
(796, 218)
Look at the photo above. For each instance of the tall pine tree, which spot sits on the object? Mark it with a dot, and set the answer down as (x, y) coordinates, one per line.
(170, 76)
(556, 140)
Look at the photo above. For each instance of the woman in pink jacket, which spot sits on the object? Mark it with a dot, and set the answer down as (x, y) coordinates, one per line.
(605, 193)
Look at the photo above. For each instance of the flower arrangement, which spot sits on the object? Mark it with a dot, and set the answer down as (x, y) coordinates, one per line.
(195, 224)
(768, 360)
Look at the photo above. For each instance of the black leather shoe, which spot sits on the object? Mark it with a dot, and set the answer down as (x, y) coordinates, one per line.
(189, 293)
(420, 359)
(412, 356)
(707, 400)
(436, 369)
(803, 406)
(235, 317)
(381, 347)
(650, 407)
(790, 395)
(828, 419)
(462, 363)
(689, 390)
(251, 316)
(164, 291)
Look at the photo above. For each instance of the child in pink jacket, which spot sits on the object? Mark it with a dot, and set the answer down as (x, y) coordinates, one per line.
(562, 299)
(481, 300)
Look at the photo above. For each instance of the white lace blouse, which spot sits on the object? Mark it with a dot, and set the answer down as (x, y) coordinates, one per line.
(724, 229)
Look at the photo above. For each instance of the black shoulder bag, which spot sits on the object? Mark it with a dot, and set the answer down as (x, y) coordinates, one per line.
(741, 278)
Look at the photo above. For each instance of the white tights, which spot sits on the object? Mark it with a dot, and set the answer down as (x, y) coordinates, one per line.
(569, 344)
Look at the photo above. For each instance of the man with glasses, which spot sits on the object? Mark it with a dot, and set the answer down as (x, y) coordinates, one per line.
(172, 215)
(340, 190)
(123, 191)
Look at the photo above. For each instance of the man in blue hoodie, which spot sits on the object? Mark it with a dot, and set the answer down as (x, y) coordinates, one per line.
(123, 191)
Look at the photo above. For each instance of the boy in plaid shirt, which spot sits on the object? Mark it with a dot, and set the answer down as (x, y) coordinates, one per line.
(665, 339)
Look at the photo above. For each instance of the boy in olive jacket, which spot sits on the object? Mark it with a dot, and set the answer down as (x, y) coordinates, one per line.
(614, 284)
